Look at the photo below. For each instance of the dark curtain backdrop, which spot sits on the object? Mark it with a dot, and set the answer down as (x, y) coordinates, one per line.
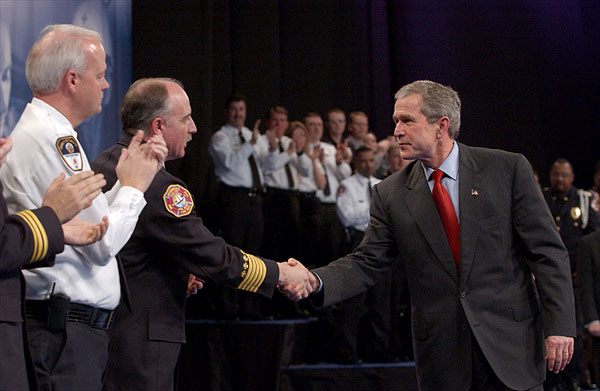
(527, 71)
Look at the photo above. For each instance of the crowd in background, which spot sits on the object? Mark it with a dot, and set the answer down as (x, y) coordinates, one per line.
(302, 189)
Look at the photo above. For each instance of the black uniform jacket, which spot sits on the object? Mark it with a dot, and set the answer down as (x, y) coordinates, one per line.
(28, 239)
(168, 243)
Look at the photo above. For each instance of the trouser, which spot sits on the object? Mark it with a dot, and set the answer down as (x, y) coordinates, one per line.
(13, 365)
(72, 359)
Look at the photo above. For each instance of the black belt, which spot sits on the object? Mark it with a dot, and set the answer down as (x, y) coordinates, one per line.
(97, 318)
(278, 191)
(250, 192)
(307, 195)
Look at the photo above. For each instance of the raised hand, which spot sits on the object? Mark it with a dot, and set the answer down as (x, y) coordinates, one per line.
(69, 197)
(5, 147)
(80, 233)
(255, 132)
(138, 164)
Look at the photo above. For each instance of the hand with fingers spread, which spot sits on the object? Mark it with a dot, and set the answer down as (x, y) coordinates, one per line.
(559, 352)
(138, 164)
(69, 197)
(78, 232)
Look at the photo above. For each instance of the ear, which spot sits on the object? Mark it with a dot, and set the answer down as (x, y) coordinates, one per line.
(443, 124)
(71, 81)
(157, 126)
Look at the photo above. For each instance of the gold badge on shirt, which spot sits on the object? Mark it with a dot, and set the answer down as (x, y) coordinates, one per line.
(69, 150)
(575, 213)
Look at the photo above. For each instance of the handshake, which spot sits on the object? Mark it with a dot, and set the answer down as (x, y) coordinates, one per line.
(296, 281)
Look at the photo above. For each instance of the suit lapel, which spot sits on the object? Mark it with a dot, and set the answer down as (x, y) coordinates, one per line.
(472, 193)
(422, 207)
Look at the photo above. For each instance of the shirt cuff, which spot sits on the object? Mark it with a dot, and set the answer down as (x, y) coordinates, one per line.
(320, 284)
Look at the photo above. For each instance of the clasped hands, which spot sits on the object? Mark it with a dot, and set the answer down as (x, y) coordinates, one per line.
(295, 280)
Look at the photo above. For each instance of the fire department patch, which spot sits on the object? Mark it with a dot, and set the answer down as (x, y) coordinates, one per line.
(178, 201)
(68, 149)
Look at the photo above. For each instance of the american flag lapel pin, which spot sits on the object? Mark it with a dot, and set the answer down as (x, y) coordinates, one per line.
(474, 192)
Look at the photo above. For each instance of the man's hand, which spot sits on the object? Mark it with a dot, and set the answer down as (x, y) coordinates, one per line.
(594, 328)
(194, 285)
(80, 233)
(559, 351)
(139, 163)
(5, 147)
(69, 197)
(255, 132)
(296, 281)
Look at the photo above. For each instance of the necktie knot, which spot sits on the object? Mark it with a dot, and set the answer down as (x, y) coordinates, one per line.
(437, 176)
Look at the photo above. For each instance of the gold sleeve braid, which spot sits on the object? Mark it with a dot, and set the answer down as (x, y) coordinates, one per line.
(253, 273)
(40, 239)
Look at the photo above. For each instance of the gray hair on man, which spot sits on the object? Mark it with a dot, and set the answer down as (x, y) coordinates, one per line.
(145, 100)
(50, 58)
(438, 101)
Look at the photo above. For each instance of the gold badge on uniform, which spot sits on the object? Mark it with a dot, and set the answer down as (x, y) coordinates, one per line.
(575, 213)
(69, 150)
(178, 201)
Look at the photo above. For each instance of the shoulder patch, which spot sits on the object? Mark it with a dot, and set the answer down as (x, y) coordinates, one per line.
(69, 150)
(178, 201)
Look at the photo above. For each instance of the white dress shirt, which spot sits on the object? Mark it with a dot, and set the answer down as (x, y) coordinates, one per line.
(87, 274)
(354, 200)
(230, 156)
(334, 172)
(274, 168)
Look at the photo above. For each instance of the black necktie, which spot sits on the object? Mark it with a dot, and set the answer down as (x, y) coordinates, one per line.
(370, 190)
(288, 170)
(253, 167)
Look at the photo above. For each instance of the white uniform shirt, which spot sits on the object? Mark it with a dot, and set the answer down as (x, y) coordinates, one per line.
(274, 168)
(354, 201)
(335, 173)
(87, 274)
(307, 182)
(230, 156)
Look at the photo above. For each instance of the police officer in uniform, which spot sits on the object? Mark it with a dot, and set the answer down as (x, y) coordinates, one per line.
(168, 243)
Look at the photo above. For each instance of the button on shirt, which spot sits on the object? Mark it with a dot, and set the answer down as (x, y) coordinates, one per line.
(274, 168)
(450, 178)
(230, 156)
(354, 202)
(87, 274)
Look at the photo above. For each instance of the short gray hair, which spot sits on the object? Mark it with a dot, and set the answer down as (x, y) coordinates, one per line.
(145, 100)
(438, 101)
(51, 57)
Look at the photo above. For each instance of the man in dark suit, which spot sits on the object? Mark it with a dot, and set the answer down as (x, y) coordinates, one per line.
(482, 257)
(30, 239)
(169, 242)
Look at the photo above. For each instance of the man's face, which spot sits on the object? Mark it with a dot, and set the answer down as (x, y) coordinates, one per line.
(365, 163)
(561, 177)
(359, 126)
(279, 122)
(179, 125)
(370, 141)
(315, 128)
(416, 137)
(236, 114)
(394, 158)
(336, 122)
(92, 83)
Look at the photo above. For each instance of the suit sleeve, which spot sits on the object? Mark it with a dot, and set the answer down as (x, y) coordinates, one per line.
(185, 239)
(367, 265)
(546, 254)
(29, 239)
(588, 278)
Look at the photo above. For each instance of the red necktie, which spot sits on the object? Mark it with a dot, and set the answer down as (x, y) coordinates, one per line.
(447, 214)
